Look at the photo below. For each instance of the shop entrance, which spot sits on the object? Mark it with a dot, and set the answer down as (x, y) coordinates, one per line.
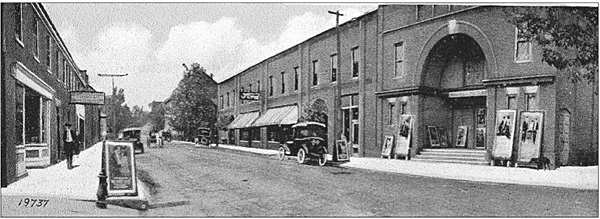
(468, 122)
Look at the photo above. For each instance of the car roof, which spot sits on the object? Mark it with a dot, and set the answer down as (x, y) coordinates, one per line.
(132, 129)
(308, 123)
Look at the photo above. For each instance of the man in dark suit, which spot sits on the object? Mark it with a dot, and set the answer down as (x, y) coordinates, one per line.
(69, 138)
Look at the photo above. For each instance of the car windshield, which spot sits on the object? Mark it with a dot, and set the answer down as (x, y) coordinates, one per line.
(311, 131)
(131, 134)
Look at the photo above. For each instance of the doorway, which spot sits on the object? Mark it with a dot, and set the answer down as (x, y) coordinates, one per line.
(469, 114)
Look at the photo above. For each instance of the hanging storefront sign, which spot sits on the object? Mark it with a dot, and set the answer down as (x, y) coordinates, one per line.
(87, 97)
(343, 154)
(433, 136)
(504, 132)
(249, 96)
(468, 93)
(461, 136)
(120, 167)
(404, 135)
(386, 148)
(530, 135)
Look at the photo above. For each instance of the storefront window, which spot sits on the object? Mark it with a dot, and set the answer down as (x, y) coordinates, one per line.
(255, 134)
(279, 133)
(244, 134)
(19, 110)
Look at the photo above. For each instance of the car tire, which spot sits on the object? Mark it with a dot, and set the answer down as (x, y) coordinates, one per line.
(322, 160)
(281, 153)
(301, 156)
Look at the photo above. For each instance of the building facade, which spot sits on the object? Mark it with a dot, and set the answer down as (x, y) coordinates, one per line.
(38, 73)
(447, 66)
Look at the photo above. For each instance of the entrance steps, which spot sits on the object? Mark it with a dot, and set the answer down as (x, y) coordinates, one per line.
(452, 155)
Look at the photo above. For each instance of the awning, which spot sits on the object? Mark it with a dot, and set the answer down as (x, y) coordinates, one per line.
(278, 116)
(243, 120)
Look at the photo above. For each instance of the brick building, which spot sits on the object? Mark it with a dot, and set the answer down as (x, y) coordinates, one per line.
(37, 74)
(447, 66)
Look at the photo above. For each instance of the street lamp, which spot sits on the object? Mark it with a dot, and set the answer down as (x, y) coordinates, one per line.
(338, 93)
(113, 94)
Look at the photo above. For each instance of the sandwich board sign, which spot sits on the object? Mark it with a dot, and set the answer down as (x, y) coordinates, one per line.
(120, 168)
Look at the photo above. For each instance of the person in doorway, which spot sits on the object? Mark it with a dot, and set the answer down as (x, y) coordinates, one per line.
(69, 138)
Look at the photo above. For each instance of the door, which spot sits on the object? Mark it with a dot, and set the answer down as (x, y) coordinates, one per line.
(463, 117)
(351, 128)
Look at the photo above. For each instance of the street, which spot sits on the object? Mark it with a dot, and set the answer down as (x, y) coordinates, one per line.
(202, 182)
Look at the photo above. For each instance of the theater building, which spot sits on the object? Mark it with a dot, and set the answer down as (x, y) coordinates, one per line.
(448, 66)
(37, 74)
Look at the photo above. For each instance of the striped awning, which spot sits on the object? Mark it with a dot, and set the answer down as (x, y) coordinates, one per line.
(278, 116)
(244, 120)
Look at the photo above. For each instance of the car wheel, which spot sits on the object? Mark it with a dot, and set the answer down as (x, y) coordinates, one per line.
(301, 156)
(322, 160)
(281, 154)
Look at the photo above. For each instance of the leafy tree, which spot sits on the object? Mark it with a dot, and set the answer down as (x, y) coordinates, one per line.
(157, 116)
(192, 106)
(316, 112)
(139, 117)
(568, 37)
(119, 114)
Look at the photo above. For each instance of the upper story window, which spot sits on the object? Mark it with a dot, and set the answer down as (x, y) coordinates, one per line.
(228, 98)
(36, 39)
(64, 72)
(222, 101)
(315, 69)
(270, 85)
(296, 78)
(355, 62)
(56, 63)
(334, 67)
(19, 22)
(523, 48)
(49, 52)
(282, 82)
(258, 86)
(250, 87)
(399, 60)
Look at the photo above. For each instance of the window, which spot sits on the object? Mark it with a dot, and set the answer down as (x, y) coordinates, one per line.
(531, 102)
(270, 85)
(402, 108)
(64, 72)
(222, 101)
(392, 113)
(296, 78)
(228, 99)
(258, 86)
(399, 60)
(19, 22)
(334, 67)
(523, 48)
(250, 87)
(355, 60)
(315, 68)
(512, 102)
(49, 52)
(36, 40)
(56, 64)
(282, 82)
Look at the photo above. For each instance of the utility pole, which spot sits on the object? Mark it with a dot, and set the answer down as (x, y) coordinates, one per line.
(114, 93)
(337, 115)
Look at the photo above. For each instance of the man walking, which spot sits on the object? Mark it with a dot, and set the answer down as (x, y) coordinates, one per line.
(69, 142)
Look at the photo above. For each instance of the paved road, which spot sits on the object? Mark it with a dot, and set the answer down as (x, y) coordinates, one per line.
(203, 182)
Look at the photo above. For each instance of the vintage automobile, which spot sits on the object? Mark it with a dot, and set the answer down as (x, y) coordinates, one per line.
(166, 136)
(134, 135)
(310, 142)
(203, 138)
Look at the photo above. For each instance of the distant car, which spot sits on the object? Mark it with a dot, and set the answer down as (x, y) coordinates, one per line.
(310, 142)
(152, 137)
(134, 135)
(204, 136)
(166, 136)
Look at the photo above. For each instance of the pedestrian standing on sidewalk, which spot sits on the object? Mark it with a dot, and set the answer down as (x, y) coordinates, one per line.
(69, 142)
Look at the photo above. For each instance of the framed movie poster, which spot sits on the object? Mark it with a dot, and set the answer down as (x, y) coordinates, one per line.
(480, 116)
(530, 135)
(480, 137)
(388, 143)
(504, 133)
(120, 168)
(433, 136)
(343, 154)
(461, 136)
(404, 135)
(443, 136)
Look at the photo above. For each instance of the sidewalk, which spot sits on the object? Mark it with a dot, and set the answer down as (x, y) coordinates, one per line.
(58, 182)
(566, 177)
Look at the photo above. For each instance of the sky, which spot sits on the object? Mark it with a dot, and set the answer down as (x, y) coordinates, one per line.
(151, 41)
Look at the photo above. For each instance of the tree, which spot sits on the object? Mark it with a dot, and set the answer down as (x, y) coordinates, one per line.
(568, 37)
(119, 114)
(139, 117)
(191, 102)
(157, 115)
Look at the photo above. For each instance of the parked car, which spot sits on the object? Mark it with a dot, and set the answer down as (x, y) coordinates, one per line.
(152, 136)
(133, 134)
(166, 136)
(309, 142)
(204, 137)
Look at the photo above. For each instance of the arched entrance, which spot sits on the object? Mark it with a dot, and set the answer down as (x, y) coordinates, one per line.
(456, 65)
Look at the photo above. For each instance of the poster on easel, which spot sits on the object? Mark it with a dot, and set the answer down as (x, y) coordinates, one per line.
(504, 134)
(530, 135)
(404, 135)
(120, 168)
(443, 135)
(434, 140)
(386, 148)
(343, 154)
